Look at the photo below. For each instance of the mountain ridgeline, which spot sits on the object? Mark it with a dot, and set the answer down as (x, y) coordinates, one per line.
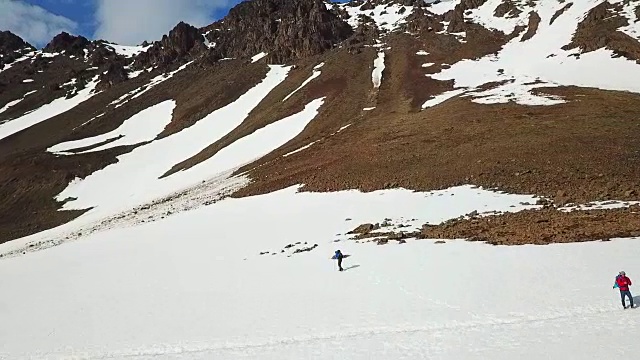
(511, 95)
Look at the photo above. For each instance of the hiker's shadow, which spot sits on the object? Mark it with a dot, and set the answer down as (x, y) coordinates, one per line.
(351, 267)
(636, 301)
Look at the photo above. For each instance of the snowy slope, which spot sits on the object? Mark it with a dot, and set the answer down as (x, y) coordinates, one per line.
(136, 178)
(56, 107)
(193, 286)
(522, 66)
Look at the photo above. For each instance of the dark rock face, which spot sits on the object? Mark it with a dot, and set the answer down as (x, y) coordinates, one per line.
(72, 45)
(183, 40)
(10, 47)
(285, 29)
(9, 42)
(115, 74)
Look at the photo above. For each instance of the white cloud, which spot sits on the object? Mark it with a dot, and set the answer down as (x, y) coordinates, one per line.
(130, 22)
(33, 23)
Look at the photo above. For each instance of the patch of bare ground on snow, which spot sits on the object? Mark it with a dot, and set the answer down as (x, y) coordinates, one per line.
(532, 27)
(544, 226)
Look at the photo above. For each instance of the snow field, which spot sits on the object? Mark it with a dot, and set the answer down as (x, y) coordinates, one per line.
(388, 17)
(128, 51)
(257, 57)
(193, 286)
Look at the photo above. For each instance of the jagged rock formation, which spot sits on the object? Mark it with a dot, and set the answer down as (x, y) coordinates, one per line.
(72, 45)
(285, 29)
(183, 41)
(10, 42)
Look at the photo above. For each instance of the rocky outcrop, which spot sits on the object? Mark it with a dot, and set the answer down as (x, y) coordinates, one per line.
(285, 29)
(507, 9)
(456, 19)
(365, 34)
(532, 28)
(598, 30)
(70, 44)
(11, 47)
(115, 74)
(10, 42)
(183, 41)
(423, 20)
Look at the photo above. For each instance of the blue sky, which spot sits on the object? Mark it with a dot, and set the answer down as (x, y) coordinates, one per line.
(123, 21)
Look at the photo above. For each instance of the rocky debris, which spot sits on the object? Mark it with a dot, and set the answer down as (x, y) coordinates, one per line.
(305, 249)
(183, 42)
(364, 229)
(284, 29)
(70, 44)
(551, 226)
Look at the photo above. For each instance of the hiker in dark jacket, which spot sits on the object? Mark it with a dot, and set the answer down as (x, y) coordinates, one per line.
(623, 282)
(339, 257)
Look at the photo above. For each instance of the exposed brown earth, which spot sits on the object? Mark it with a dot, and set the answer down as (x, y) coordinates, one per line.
(541, 227)
(560, 12)
(532, 28)
(580, 151)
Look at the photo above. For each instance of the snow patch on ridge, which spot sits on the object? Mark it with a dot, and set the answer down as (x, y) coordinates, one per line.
(135, 178)
(45, 112)
(141, 127)
(315, 74)
(378, 68)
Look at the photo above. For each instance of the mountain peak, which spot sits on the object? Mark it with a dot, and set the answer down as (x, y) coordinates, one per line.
(72, 44)
(10, 42)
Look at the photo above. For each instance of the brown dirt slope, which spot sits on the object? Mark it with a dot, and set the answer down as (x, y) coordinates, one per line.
(541, 227)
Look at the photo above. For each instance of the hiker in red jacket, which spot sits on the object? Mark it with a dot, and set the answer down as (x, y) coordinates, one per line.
(623, 282)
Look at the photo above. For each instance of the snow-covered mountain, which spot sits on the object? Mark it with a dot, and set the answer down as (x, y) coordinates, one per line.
(181, 199)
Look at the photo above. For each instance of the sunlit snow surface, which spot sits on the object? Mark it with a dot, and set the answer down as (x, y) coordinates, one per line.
(193, 286)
